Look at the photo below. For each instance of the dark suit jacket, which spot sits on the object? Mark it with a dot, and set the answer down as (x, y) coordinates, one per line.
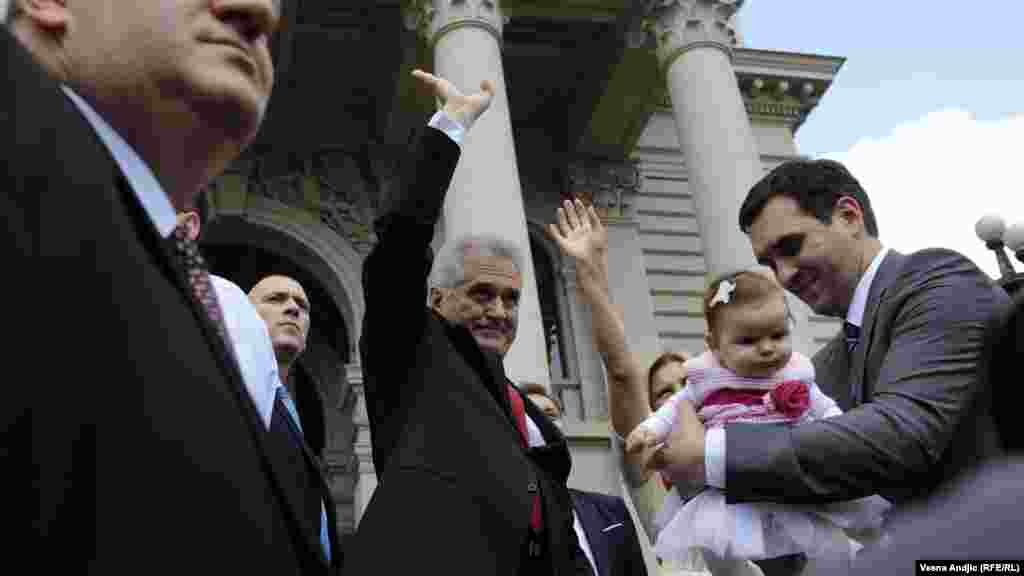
(1004, 351)
(455, 483)
(131, 439)
(610, 533)
(916, 365)
(980, 517)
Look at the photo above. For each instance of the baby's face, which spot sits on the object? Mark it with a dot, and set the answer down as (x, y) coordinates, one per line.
(753, 340)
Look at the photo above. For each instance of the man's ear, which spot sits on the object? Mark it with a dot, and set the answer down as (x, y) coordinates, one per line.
(849, 211)
(192, 226)
(52, 15)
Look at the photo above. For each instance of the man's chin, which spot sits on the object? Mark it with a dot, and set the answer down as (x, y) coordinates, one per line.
(492, 345)
(236, 112)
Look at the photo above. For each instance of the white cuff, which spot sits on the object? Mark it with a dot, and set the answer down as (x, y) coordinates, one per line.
(453, 129)
(714, 457)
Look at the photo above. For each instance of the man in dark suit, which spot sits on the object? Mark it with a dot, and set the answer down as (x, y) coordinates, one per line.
(904, 369)
(471, 475)
(980, 515)
(137, 444)
(602, 522)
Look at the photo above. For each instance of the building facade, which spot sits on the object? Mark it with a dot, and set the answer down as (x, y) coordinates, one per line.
(654, 110)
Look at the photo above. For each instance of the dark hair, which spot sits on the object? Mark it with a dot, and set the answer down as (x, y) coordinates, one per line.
(534, 388)
(659, 363)
(750, 287)
(816, 185)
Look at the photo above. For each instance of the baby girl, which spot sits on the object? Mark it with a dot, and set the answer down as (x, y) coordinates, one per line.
(750, 374)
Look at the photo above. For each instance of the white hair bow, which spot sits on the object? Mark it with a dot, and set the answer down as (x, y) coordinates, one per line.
(724, 293)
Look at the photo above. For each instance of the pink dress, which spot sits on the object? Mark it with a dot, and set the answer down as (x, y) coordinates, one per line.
(754, 531)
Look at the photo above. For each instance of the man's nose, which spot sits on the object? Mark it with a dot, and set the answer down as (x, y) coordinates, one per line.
(291, 309)
(766, 347)
(252, 19)
(496, 307)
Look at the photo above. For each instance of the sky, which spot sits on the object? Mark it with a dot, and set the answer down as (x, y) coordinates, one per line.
(927, 112)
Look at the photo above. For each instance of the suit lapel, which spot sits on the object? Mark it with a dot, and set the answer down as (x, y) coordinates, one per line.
(833, 373)
(884, 278)
(487, 365)
(593, 523)
(169, 264)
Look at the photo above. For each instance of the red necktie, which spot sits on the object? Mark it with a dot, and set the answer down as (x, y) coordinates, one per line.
(519, 411)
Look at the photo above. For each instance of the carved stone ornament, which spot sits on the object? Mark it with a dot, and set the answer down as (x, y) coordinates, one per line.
(337, 202)
(432, 19)
(679, 25)
(788, 99)
(609, 186)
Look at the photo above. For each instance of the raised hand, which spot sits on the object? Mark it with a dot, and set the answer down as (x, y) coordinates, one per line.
(459, 107)
(580, 234)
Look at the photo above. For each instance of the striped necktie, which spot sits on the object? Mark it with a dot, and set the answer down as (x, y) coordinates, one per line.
(852, 332)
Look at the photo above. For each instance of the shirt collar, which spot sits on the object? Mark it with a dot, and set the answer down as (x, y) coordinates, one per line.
(855, 315)
(141, 179)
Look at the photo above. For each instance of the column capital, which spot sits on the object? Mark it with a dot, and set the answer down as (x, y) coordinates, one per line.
(680, 25)
(432, 19)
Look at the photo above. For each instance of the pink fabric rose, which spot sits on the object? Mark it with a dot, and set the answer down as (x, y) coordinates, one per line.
(791, 398)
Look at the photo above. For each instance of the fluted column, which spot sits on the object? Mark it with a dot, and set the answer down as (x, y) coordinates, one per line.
(485, 194)
(694, 48)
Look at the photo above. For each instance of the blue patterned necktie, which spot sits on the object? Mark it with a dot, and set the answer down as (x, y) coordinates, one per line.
(291, 415)
(852, 332)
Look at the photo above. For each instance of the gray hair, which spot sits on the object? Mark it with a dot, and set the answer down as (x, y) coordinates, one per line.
(449, 269)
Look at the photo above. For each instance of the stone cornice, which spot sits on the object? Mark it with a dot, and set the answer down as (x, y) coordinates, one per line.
(791, 64)
(432, 19)
(780, 86)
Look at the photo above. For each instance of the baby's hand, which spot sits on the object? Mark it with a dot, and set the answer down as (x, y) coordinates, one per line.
(639, 439)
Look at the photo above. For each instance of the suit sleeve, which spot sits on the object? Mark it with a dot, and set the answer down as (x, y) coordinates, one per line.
(893, 444)
(395, 273)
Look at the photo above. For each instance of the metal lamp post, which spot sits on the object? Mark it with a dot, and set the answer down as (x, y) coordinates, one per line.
(993, 232)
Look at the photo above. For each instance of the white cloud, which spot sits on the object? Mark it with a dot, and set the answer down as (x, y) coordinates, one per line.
(930, 180)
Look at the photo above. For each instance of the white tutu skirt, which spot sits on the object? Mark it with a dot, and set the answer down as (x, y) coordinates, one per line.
(761, 530)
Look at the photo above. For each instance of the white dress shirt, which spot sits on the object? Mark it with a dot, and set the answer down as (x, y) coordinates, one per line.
(251, 344)
(714, 440)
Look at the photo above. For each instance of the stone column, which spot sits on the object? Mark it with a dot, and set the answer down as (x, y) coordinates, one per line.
(485, 194)
(366, 474)
(694, 49)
